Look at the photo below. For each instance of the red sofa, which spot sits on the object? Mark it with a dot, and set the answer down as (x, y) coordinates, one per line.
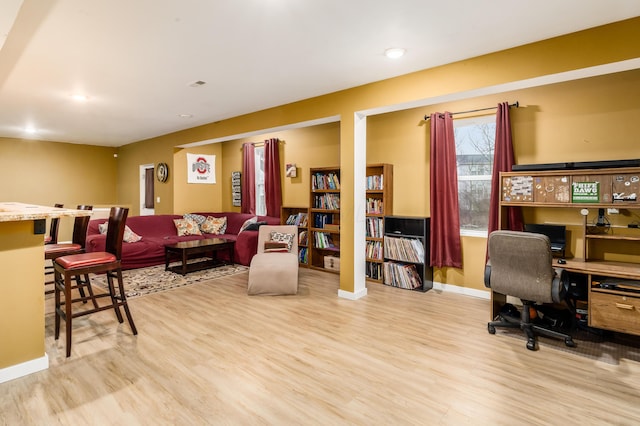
(159, 230)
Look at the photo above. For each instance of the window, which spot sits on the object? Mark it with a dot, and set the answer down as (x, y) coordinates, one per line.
(475, 142)
(261, 205)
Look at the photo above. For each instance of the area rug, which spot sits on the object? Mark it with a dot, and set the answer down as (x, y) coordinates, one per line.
(143, 281)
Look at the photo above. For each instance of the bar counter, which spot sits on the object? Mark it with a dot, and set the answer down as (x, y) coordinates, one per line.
(22, 229)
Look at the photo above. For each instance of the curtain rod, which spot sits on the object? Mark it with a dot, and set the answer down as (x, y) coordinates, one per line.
(516, 104)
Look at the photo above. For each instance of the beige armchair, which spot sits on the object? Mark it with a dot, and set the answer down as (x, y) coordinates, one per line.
(274, 273)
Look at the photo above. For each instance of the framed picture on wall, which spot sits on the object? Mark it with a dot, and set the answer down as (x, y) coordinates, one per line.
(291, 170)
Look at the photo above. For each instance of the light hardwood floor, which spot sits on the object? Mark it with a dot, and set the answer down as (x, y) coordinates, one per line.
(209, 354)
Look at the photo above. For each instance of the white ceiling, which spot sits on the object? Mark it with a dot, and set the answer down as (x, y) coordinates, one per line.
(136, 59)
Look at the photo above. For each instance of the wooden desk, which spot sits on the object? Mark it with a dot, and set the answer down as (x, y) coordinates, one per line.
(609, 309)
(22, 229)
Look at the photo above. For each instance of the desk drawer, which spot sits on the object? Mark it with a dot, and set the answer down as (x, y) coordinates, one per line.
(614, 312)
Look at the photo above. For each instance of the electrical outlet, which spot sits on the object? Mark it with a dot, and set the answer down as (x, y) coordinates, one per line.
(158, 200)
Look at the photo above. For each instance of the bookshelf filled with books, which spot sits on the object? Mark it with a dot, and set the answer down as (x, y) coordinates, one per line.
(406, 253)
(298, 216)
(379, 203)
(324, 218)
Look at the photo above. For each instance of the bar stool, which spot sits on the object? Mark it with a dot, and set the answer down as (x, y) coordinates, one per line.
(52, 238)
(69, 267)
(77, 245)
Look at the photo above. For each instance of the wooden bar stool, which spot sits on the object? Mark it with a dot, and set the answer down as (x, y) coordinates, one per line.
(69, 267)
(77, 245)
(52, 238)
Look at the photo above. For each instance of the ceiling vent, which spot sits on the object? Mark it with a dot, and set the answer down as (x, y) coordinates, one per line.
(198, 83)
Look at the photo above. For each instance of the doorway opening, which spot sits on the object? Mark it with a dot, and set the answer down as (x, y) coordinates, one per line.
(147, 195)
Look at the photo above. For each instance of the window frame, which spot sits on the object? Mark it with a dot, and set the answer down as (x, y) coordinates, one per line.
(488, 119)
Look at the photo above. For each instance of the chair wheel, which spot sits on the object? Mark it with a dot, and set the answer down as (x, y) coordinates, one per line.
(569, 342)
(531, 345)
(491, 329)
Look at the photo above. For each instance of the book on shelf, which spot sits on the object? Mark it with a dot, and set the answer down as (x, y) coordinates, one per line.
(404, 249)
(320, 220)
(303, 255)
(375, 183)
(320, 180)
(323, 240)
(373, 270)
(374, 206)
(374, 250)
(401, 275)
(298, 219)
(302, 238)
(375, 227)
(327, 202)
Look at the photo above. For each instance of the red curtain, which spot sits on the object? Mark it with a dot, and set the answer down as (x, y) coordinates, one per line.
(272, 185)
(445, 214)
(503, 160)
(248, 202)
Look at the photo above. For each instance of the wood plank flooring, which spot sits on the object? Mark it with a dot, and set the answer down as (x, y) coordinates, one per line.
(209, 354)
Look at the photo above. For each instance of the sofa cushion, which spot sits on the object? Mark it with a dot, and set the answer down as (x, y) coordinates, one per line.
(197, 218)
(254, 226)
(281, 237)
(128, 237)
(214, 225)
(248, 223)
(186, 227)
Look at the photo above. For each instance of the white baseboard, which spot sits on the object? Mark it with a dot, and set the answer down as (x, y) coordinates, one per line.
(24, 369)
(450, 288)
(351, 295)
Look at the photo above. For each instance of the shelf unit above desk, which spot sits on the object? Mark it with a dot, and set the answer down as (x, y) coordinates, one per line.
(610, 253)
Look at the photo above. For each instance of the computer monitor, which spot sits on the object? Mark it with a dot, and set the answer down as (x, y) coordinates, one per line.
(557, 235)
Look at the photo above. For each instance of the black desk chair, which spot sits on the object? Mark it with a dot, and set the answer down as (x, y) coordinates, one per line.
(520, 265)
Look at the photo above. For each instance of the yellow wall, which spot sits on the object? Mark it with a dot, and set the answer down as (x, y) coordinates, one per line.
(48, 173)
(316, 146)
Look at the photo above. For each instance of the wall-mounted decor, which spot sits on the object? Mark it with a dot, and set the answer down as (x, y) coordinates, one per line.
(162, 172)
(201, 168)
(236, 193)
(291, 170)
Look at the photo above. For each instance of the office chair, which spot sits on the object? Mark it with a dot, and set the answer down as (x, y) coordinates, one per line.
(520, 265)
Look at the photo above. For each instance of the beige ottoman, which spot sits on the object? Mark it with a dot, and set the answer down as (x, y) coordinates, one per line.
(273, 274)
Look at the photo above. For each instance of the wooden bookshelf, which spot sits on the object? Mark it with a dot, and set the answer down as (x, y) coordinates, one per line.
(298, 216)
(379, 203)
(324, 217)
(406, 253)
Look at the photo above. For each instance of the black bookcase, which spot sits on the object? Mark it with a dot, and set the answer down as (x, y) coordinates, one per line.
(406, 253)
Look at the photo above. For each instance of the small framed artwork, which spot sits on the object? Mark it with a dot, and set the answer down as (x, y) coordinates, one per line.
(291, 170)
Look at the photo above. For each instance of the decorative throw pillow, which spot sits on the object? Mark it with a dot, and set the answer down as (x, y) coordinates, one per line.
(276, 247)
(254, 226)
(103, 227)
(282, 238)
(186, 227)
(247, 223)
(214, 225)
(197, 218)
(129, 235)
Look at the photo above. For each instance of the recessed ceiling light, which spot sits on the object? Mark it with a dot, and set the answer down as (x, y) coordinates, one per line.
(30, 129)
(185, 115)
(394, 52)
(80, 98)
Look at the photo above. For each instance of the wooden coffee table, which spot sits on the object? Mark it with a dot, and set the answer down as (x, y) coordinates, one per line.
(186, 250)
